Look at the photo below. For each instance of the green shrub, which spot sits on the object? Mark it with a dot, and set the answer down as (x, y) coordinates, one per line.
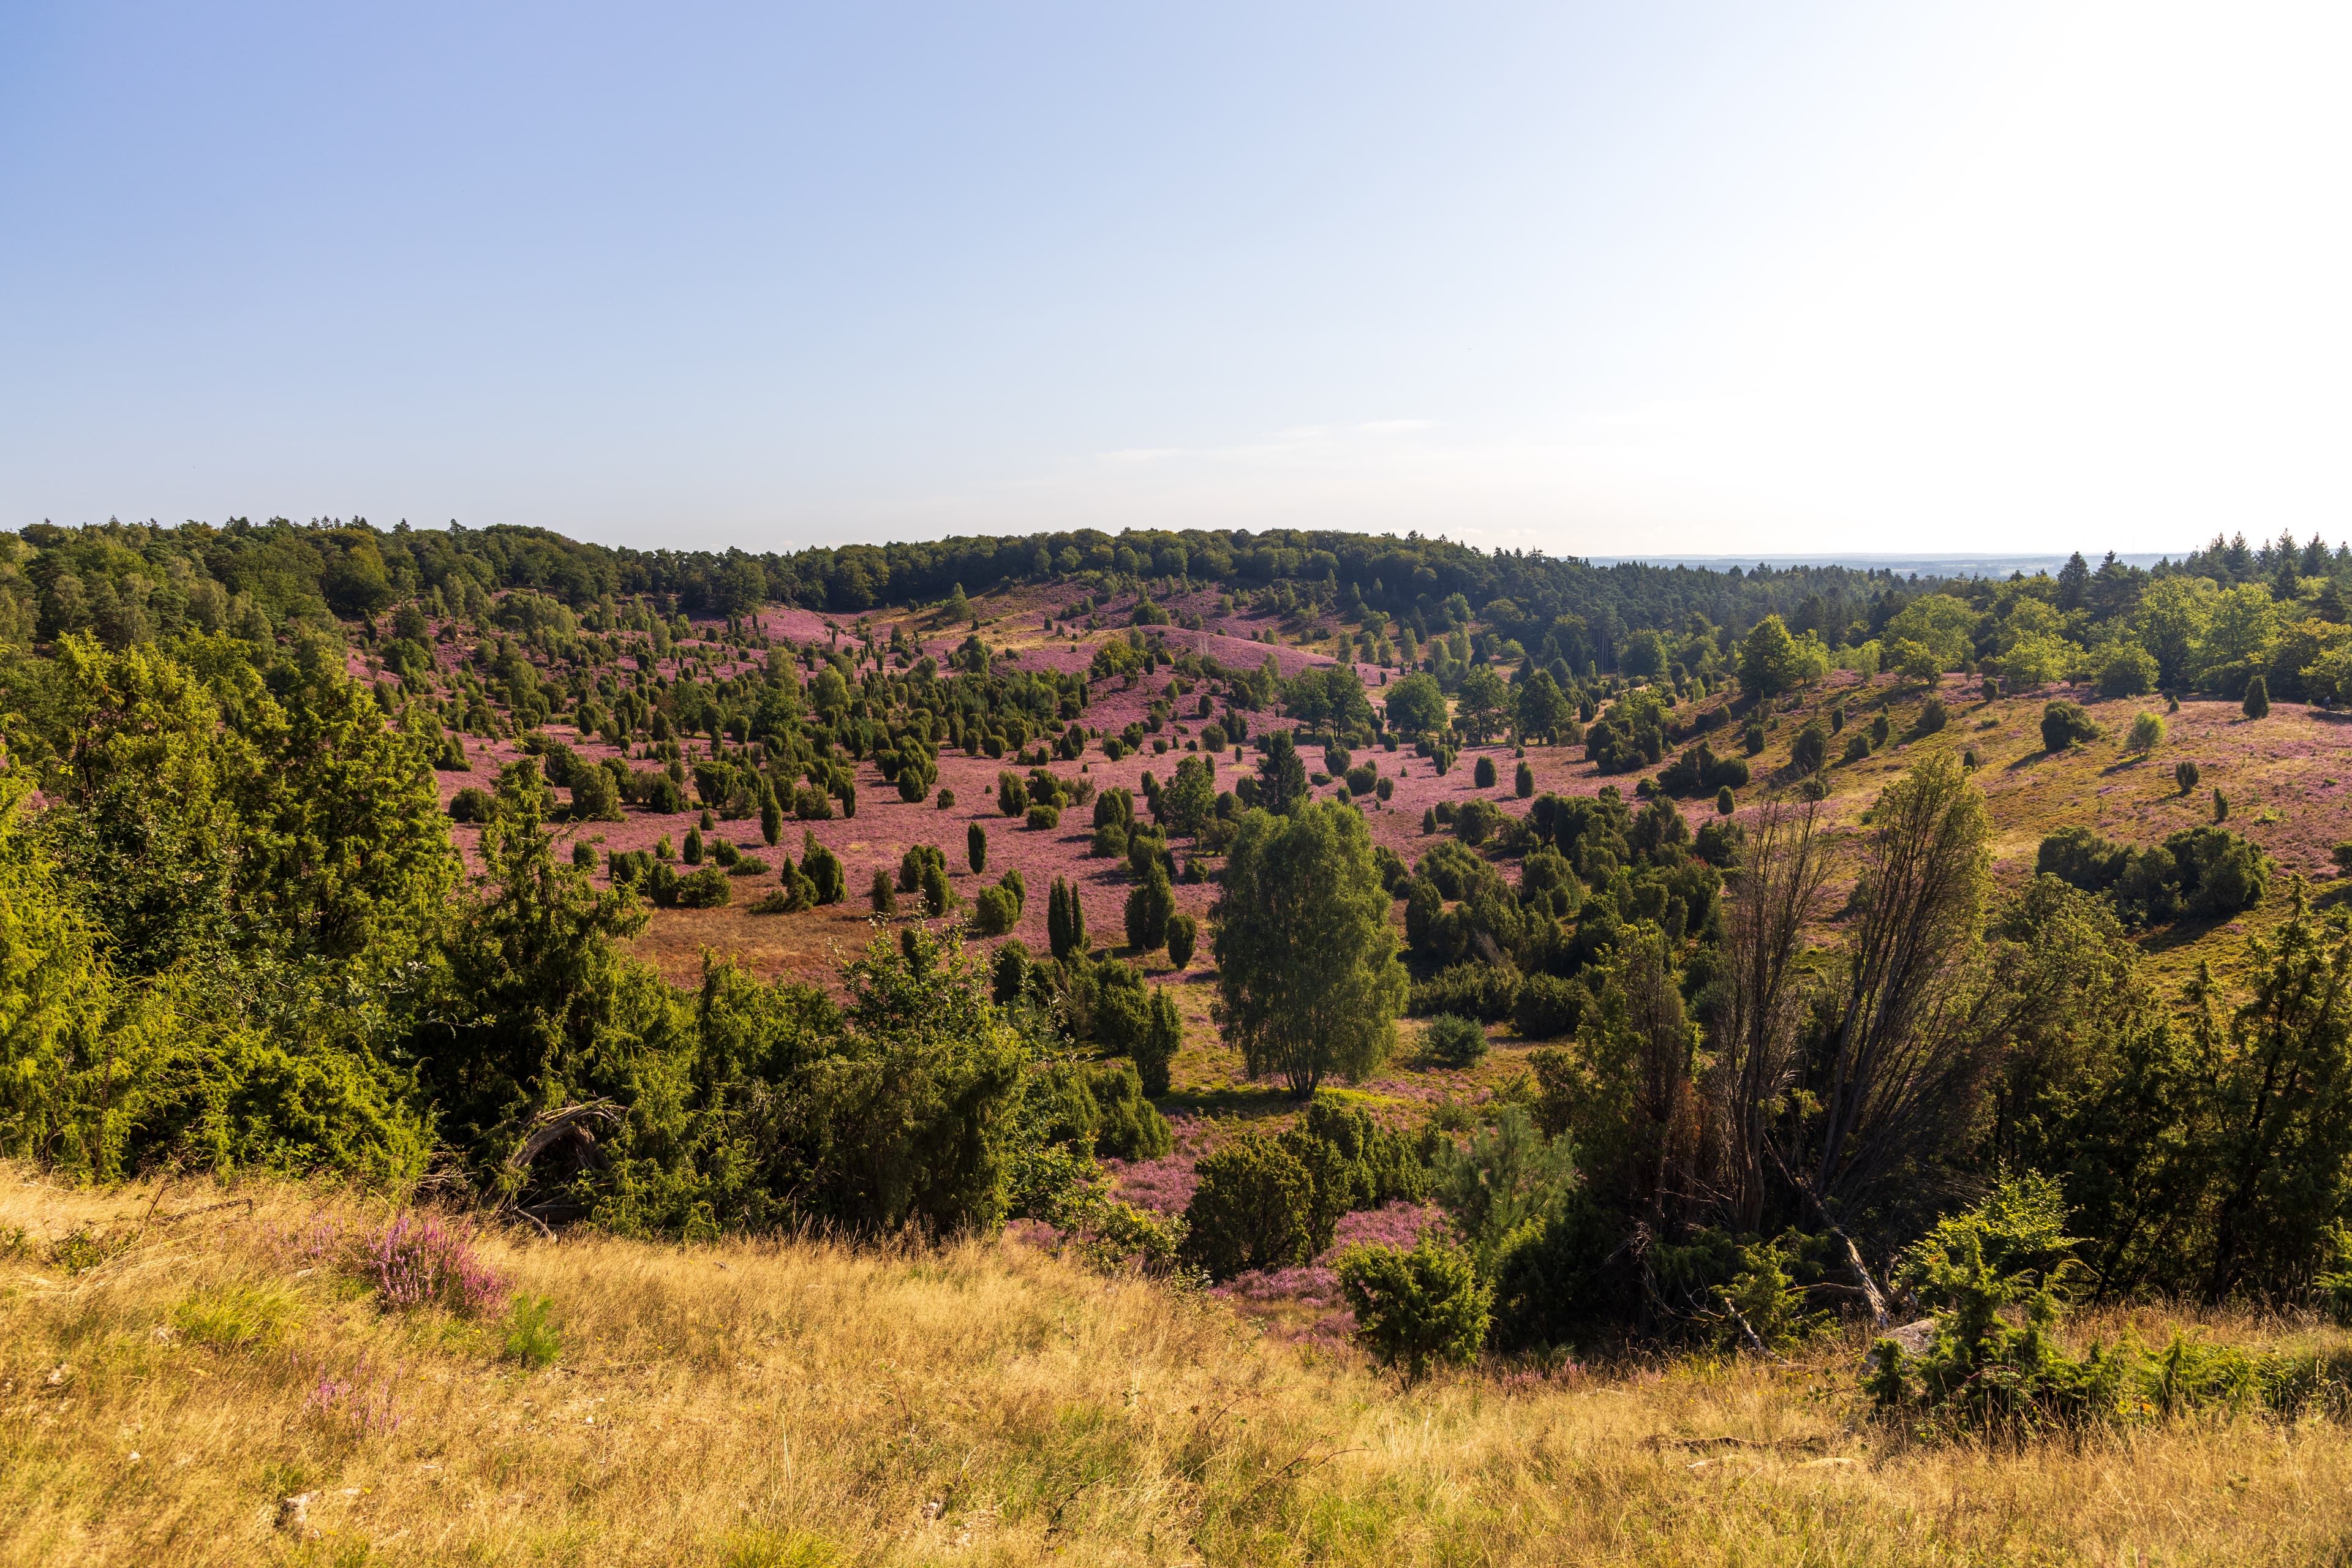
(2257, 704)
(1474, 990)
(994, 912)
(2124, 670)
(1811, 749)
(1476, 821)
(1252, 1209)
(708, 888)
(2066, 724)
(1548, 1007)
(1484, 776)
(1153, 1040)
(975, 848)
(532, 1337)
(1523, 781)
(1415, 1309)
(1148, 910)
(1043, 818)
(471, 804)
(1132, 1127)
(2185, 775)
(822, 867)
(2147, 734)
(1183, 934)
(1454, 1041)
(882, 895)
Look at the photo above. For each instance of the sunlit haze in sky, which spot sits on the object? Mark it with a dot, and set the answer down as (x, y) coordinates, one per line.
(1615, 280)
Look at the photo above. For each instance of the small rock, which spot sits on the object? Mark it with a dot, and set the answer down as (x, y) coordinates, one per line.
(1915, 1338)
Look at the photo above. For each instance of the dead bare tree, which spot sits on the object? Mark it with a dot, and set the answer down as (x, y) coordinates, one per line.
(1777, 893)
(1898, 1073)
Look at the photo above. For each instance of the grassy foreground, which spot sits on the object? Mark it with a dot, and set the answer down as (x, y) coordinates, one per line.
(807, 1404)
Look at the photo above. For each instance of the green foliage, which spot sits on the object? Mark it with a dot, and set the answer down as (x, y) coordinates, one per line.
(2066, 724)
(530, 1334)
(2147, 734)
(1771, 662)
(1183, 934)
(1148, 910)
(1503, 1185)
(2257, 703)
(1154, 1042)
(2123, 670)
(1765, 1303)
(1253, 1209)
(1415, 1309)
(2185, 775)
(2018, 1229)
(1811, 750)
(2204, 871)
(975, 840)
(994, 911)
(238, 1317)
(1548, 1007)
(1309, 981)
(1454, 1041)
(1416, 705)
(1065, 920)
(1282, 787)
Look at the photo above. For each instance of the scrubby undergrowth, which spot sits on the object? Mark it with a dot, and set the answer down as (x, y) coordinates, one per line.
(167, 1385)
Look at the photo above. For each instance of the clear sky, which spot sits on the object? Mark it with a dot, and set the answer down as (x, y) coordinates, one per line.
(1598, 278)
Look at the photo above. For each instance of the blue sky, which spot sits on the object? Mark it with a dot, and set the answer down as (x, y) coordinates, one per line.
(1598, 280)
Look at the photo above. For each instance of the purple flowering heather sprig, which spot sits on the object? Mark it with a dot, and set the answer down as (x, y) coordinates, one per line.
(419, 1261)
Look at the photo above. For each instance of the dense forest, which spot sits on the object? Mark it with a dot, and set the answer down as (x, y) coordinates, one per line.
(1791, 1067)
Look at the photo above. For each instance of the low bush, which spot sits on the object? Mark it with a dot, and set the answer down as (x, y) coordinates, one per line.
(418, 1260)
(1415, 1309)
(1251, 1210)
(1454, 1041)
(530, 1335)
(1486, 991)
(1549, 1006)
(2066, 724)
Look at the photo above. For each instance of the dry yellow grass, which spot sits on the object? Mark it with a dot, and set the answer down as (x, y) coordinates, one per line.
(983, 1403)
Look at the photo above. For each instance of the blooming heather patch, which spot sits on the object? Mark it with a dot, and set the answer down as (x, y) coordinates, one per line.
(1317, 1284)
(417, 1262)
(1163, 1185)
